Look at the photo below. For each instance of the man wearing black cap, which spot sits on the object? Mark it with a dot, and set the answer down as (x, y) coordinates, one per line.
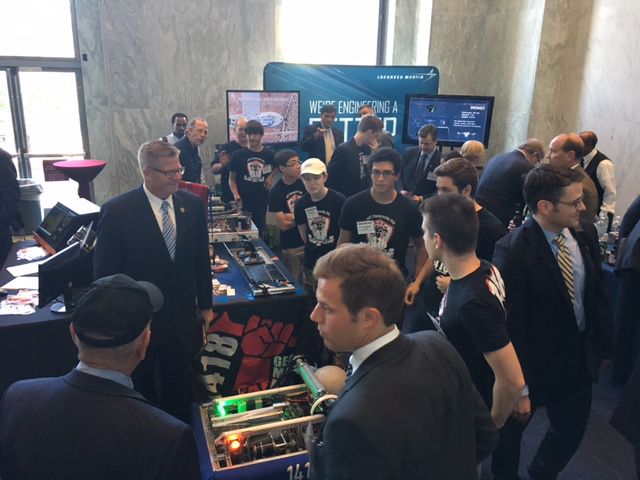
(91, 423)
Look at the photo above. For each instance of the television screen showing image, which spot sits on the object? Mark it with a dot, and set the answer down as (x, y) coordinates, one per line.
(458, 118)
(278, 112)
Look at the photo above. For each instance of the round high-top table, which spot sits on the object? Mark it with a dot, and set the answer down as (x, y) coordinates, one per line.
(82, 171)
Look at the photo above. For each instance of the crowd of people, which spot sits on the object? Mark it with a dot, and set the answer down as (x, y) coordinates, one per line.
(466, 294)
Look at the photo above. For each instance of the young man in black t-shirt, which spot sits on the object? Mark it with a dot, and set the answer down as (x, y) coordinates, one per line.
(222, 159)
(282, 200)
(381, 216)
(251, 175)
(453, 176)
(473, 316)
(316, 215)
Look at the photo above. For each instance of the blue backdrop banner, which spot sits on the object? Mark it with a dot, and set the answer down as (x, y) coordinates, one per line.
(348, 87)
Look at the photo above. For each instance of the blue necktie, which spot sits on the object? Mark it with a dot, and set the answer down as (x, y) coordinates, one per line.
(168, 232)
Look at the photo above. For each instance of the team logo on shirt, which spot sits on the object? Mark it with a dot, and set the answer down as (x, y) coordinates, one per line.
(319, 229)
(292, 198)
(383, 227)
(496, 285)
(255, 167)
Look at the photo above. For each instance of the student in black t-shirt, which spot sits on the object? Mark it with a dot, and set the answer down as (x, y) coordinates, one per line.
(222, 159)
(380, 216)
(473, 315)
(282, 200)
(316, 215)
(251, 175)
(453, 176)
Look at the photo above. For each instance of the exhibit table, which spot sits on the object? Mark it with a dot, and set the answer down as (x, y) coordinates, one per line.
(83, 172)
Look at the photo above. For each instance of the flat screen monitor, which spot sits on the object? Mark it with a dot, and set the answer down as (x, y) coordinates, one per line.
(458, 118)
(278, 112)
(68, 269)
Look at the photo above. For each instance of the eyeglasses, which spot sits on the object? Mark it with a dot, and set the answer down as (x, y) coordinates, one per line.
(575, 204)
(294, 163)
(385, 173)
(169, 173)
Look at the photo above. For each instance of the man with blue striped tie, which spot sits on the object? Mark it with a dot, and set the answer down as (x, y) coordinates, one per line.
(159, 234)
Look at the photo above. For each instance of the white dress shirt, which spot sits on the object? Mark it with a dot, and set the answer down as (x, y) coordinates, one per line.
(361, 354)
(156, 207)
(607, 180)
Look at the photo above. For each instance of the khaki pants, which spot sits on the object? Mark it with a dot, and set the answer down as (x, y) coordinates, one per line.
(292, 258)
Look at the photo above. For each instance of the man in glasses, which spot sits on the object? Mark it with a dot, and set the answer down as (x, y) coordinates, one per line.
(558, 318)
(566, 150)
(158, 233)
(189, 147)
(381, 217)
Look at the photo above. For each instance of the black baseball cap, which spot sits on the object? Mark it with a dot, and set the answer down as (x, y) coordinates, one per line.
(115, 311)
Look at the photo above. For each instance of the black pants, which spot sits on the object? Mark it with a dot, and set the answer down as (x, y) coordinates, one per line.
(164, 378)
(568, 408)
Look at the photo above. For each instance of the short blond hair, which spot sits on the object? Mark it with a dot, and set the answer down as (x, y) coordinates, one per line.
(150, 152)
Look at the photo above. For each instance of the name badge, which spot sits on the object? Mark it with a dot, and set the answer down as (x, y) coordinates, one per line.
(432, 176)
(365, 227)
(312, 212)
(266, 169)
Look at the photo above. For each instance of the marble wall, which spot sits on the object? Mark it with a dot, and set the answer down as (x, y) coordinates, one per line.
(149, 58)
(553, 66)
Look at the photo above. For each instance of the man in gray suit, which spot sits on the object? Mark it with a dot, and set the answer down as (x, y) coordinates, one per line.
(409, 408)
(91, 423)
(566, 150)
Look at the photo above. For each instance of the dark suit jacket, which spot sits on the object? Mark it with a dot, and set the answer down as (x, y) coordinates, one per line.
(590, 194)
(500, 186)
(190, 160)
(80, 426)
(410, 411)
(9, 201)
(130, 242)
(315, 146)
(540, 315)
(418, 184)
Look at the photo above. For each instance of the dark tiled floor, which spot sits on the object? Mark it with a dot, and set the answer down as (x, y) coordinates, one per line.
(604, 453)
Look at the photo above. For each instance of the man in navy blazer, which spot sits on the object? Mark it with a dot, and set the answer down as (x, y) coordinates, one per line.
(558, 317)
(321, 138)
(409, 408)
(91, 423)
(131, 240)
(417, 179)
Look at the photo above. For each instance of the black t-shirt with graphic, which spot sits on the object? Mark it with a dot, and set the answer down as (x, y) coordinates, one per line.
(387, 227)
(322, 224)
(473, 318)
(283, 198)
(252, 169)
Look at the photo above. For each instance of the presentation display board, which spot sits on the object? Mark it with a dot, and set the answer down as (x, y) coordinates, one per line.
(458, 118)
(348, 87)
(278, 112)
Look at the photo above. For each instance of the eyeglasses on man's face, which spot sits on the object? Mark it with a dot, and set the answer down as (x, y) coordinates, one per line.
(382, 173)
(575, 204)
(169, 173)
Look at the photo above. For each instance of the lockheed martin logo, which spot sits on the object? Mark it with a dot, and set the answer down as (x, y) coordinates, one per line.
(431, 74)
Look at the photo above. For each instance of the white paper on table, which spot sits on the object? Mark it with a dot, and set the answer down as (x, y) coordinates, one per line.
(25, 269)
(22, 283)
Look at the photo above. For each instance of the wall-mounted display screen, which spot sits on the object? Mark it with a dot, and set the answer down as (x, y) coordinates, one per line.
(458, 118)
(278, 112)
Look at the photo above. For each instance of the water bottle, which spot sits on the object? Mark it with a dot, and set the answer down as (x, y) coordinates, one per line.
(603, 238)
(613, 239)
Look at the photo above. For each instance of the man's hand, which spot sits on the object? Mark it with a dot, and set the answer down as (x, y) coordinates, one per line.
(410, 294)
(522, 410)
(319, 132)
(417, 198)
(442, 282)
(224, 158)
(207, 317)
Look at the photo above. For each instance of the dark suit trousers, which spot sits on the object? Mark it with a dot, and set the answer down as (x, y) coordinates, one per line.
(164, 378)
(568, 408)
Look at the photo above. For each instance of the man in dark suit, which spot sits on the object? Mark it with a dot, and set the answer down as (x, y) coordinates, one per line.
(91, 423)
(566, 150)
(417, 180)
(409, 408)
(500, 186)
(159, 234)
(321, 138)
(558, 317)
(189, 147)
(9, 201)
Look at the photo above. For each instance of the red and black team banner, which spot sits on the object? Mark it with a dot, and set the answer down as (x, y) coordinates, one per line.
(250, 345)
